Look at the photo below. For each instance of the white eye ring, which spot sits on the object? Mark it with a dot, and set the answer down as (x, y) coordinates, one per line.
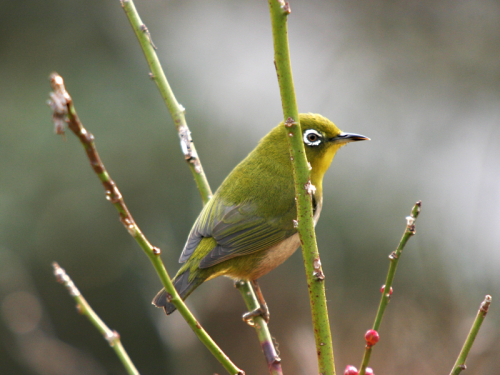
(312, 137)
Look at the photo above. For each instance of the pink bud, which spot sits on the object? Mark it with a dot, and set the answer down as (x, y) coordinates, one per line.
(369, 371)
(371, 337)
(351, 370)
(383, 288)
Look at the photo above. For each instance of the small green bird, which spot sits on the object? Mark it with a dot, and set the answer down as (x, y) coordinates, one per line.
(246, 229)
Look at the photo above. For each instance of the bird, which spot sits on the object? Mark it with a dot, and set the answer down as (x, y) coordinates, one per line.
(247, 228)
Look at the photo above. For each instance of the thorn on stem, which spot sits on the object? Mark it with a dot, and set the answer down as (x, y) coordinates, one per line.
(181, 109)
(393, 255)
(410, 224)
(410, 220)
(59, 273)
(63, 278)
(289, 121)
(485, 305)
(196, 164)
(113, 194)
(156, 250)
(58, 102)
(131, 230)
(145, 30)
(97, 165)
(111, 337)
(310, 188)
(151, 75)
(129, 224)
(186, 143)
(187, 146)
(318, 272)
(89, 137)
(319, 275)
(286, 8)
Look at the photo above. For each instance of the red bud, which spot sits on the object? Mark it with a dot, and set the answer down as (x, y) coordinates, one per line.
(369, 371)
(371, 337)
(351, 370)
(383, 288)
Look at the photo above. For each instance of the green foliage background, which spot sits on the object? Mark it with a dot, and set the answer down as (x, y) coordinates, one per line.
(422, 79)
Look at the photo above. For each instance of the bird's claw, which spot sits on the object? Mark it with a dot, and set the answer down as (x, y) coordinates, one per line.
(262, 311)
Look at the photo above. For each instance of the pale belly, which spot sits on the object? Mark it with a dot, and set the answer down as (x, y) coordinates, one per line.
(277, 254)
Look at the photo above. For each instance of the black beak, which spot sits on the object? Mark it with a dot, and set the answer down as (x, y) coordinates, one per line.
(349, 137)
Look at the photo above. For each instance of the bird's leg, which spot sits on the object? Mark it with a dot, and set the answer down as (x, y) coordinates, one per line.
(262, 310)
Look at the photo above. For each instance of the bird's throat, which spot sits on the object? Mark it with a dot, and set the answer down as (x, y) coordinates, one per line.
(320, 165)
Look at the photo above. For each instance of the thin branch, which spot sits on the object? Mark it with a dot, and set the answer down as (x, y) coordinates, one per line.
(112, 337)
(176, 110)
(481, 314)
(279, 12)
(386, 293)
(188, 148)
(266, 340)
(315, 278)
(64, 111)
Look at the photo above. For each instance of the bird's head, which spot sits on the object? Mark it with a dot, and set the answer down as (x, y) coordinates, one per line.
(321, 140)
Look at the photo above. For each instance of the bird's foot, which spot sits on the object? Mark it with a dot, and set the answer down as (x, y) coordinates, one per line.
(262, 311)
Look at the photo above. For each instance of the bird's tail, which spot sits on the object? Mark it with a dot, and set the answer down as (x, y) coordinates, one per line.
(184, 287)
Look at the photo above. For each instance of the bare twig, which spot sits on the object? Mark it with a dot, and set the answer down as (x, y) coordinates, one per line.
(386, 293)
(112, 337)
(315, 277)
(266, 340)
(177, 112)
(481, 314)
(63, 109)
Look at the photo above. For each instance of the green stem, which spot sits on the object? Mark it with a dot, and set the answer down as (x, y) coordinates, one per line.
(112, 337)
(366, 359)
(266, 340)
(481, 314)
(62, 106)
(176, 110)
(394, 259)
(279, 11)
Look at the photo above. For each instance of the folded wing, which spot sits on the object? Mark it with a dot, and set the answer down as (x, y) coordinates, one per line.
(237, 230)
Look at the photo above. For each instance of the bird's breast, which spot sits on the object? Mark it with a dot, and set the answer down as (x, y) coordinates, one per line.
(280, 252)
(276, 255)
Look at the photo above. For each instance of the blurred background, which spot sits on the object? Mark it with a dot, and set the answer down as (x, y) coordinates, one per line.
(421, 79)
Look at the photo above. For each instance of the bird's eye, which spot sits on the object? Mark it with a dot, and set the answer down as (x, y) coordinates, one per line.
(312, 137)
